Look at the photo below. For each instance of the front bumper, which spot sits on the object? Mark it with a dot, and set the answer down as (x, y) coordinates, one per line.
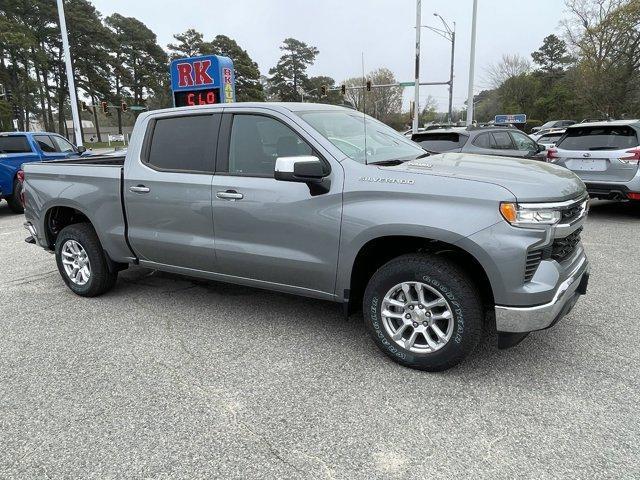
(528, 319)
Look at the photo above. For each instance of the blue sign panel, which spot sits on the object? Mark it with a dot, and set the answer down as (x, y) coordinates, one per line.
(518, 118)
(202, 80)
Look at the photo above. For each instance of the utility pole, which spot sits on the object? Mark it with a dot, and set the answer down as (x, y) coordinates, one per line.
(416, 97)
(472, 61)
(448, 34)
(453, 53)
(77, 133)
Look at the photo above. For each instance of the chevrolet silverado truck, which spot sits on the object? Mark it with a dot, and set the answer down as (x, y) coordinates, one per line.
(17, 148)
(322, 201)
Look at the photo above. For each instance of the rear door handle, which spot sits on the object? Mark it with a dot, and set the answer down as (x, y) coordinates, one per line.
(230, 195)
(139, 189)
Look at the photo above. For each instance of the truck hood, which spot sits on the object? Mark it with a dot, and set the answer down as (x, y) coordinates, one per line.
(528, 180)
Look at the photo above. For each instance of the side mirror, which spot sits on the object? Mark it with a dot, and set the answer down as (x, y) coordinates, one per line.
(81, 148)
(541, 147)
(304, 169)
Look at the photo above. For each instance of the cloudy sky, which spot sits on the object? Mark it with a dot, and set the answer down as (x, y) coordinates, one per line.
(344, 29)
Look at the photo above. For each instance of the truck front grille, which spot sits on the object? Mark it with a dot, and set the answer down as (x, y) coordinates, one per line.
(563, 248)
(559, 250)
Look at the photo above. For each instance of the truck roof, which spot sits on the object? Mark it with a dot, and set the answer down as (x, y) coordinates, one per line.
(290, 106)
(13, 134)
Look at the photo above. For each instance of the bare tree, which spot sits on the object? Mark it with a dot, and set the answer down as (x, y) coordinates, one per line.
(511, 65)
(605, 36)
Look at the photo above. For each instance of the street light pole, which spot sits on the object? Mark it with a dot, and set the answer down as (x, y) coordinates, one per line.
(449, 34)
(472, 61)
(77, 133)
(416, 97)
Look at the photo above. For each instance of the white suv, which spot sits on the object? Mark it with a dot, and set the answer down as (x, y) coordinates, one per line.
(605, 155)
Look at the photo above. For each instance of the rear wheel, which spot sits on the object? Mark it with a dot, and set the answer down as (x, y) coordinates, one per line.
(82, 262)
(423, 312)
(15, 200)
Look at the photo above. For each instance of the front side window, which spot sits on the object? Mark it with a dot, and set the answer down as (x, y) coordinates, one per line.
(14, 144)
(257, 141)
(361, 137)
(501, 141)
(186, 143)
(63, 145)
(523, 142)
(45, 143)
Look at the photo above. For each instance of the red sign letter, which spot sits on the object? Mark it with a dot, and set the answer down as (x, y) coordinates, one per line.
(200, 72)
(184, 75)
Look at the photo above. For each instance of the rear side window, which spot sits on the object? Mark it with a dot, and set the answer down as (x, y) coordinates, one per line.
(45, 143)
(186, 143)
(483, 140)
(501, 141)
(441, 141)
(14, 144)
(599, 138)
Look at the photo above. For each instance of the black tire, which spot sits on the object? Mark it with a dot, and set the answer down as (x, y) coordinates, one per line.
(448, 280)
(15, 201)
(101, 279)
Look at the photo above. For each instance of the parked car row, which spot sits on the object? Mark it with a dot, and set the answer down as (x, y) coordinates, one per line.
(507, 142)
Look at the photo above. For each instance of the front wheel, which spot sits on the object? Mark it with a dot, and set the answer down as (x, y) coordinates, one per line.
(423, 312)
(15, 200)
(82, 262)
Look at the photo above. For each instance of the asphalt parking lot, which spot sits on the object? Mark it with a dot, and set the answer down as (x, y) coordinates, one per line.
(170, 378)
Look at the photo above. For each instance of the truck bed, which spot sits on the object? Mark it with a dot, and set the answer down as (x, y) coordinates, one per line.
(110, 160)
(91, 185)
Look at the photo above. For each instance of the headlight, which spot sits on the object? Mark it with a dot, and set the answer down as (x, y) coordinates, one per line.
(522, 215)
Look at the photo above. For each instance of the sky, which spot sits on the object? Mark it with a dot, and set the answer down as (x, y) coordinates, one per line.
(344, 30)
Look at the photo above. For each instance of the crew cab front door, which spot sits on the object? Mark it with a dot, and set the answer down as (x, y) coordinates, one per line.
(167, 192)
(268, 230)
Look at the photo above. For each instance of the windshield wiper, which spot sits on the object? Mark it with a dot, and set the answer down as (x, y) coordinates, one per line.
(388, 163)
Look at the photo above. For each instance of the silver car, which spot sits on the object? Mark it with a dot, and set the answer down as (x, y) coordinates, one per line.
(605, 155)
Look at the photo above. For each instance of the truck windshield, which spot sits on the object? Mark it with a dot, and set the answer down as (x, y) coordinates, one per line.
(346, 130)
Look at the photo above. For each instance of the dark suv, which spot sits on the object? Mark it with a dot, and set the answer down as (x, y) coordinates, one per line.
(502, 141)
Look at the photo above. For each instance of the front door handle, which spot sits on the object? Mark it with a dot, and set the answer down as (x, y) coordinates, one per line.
(230, 195)
(139, 189)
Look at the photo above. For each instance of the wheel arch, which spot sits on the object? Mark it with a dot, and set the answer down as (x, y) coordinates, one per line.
(57, 217)
(379, 250)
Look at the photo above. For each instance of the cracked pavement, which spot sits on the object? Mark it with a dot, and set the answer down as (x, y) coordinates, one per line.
(165, 377)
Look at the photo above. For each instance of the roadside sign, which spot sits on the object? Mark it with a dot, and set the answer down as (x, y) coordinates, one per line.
(407, 84)
(517, 118)
(202, 80)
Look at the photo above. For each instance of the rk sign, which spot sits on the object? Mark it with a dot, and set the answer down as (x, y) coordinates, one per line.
(202, 80)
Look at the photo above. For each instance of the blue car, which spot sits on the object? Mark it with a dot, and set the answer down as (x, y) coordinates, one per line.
(18, 148)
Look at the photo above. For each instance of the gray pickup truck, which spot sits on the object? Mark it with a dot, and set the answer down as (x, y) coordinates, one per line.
(324, 202)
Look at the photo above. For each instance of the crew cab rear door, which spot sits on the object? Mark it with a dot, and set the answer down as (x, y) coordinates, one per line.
(167, 191)
(268, 230)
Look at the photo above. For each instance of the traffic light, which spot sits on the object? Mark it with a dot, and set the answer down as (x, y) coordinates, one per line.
(124, 107)
(368, 85)
(343, 89)
(83, 106)
(16, 111)
(8, 96)
(105, 107)
(323, 90)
